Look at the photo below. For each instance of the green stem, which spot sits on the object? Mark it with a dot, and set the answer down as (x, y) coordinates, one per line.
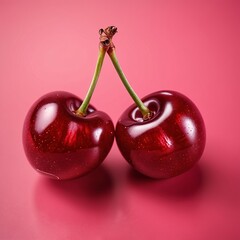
(144, 110)
(83, 108)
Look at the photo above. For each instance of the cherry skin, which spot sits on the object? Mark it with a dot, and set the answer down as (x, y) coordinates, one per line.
(62, 144)
(169, 143)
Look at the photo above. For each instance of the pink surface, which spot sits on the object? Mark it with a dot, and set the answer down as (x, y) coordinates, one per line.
(188, 46)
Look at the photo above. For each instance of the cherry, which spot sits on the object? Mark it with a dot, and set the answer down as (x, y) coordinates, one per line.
(62, 144)
(162, 135)
(65, 137)
(166, 144)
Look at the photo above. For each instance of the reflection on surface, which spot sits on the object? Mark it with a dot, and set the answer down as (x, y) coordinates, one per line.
(75, 204)
(97, 134)
(71, 136)
(111, 203)
(190, 127)
(45, 116)
(183, 186)
(137, 130)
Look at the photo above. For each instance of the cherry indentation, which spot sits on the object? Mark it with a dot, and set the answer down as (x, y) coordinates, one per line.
(154, 107)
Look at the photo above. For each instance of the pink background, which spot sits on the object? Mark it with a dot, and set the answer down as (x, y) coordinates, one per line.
(189, 46)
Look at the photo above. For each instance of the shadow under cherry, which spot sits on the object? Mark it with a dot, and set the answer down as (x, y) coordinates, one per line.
(79, 201)
(184, 186)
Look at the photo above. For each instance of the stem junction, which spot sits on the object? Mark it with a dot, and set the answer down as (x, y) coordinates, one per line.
(107, 37)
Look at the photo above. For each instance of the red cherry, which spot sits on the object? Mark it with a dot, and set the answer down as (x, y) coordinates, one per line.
(162, 135)
(65, 137)
(167, 144)
(62, 144)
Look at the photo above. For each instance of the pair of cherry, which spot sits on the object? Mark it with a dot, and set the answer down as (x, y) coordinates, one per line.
(161, 136)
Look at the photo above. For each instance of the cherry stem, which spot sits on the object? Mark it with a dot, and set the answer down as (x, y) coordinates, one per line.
(83, 108)
(144, 110)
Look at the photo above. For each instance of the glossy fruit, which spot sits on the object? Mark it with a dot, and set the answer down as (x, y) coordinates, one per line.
(167, 144)
(62, 144)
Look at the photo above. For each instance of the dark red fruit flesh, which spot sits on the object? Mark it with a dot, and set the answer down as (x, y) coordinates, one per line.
(169, 143)
(61, 144)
